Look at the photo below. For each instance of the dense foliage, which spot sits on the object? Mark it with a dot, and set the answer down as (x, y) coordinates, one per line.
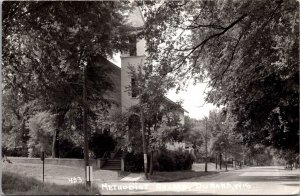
(45, 47)
(134, 162)
(174, 160)
(165, 161)
(41, 128)
(100, 143)
(249, 52)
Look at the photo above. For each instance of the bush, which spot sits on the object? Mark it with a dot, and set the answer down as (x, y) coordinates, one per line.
(134, 162)
(41, 127)
(15, 152)
(166, 162)
(76, 152)
(67, 149)
(100, 143)
(188, 163)
(174, 160)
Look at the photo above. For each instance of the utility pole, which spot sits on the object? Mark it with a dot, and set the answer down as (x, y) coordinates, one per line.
(205, 144)
(86, 142)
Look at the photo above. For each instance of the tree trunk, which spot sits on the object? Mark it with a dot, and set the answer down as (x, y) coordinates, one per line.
(225, 161)
(205, 144)
(216, 160)
(144, 139)
(57, 153)
(86, 150)
(54, 144)
(220, 159)
(61, 116)
(152, 153)
(151, 163)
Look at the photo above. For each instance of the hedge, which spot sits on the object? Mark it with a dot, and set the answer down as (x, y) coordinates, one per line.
(166, 161)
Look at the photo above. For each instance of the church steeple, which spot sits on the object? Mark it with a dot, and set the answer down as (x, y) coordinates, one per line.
(134, 57)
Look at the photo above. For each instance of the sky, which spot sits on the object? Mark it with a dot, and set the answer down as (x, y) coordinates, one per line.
(192, 98)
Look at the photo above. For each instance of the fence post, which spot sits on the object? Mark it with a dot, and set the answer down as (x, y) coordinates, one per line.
(98, 163)
(216, 159)
(122, 164)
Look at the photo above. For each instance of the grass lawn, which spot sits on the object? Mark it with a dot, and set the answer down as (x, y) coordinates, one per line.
(178, 175)
(13, 183)
(58, 174)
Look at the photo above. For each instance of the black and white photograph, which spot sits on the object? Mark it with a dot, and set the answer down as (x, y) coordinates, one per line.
(150, 97)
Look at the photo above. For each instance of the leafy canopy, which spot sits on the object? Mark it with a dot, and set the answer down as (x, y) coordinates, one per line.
(45, 47)
(248, 52)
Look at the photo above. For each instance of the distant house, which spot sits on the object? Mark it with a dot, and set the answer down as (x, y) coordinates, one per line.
(187, 147)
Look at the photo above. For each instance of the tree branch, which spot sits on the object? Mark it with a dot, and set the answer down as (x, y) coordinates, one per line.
(208, 39)
(232, 55)
(214, 26)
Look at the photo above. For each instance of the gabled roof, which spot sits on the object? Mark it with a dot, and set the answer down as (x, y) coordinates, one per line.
(175, 104)
(115, 75)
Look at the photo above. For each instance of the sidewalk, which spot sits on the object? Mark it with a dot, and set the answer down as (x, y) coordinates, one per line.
(64, 175)
(198, 170)
(135, 177)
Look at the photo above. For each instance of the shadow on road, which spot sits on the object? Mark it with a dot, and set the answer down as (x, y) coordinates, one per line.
(294, 184)
(267, 178)
(253, 174)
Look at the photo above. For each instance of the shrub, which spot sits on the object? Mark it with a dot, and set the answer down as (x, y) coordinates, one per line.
(166, 161)
(41, 127)
(65, 146)
(180, 160)
(188, 163)
(134, 162)
(100, 143)
(15, 152)
(75, 152)
(174, 160)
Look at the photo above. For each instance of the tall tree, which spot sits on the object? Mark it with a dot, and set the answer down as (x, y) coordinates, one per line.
(155, 108)
(48, 45)
(248, 50)
(155, 112)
